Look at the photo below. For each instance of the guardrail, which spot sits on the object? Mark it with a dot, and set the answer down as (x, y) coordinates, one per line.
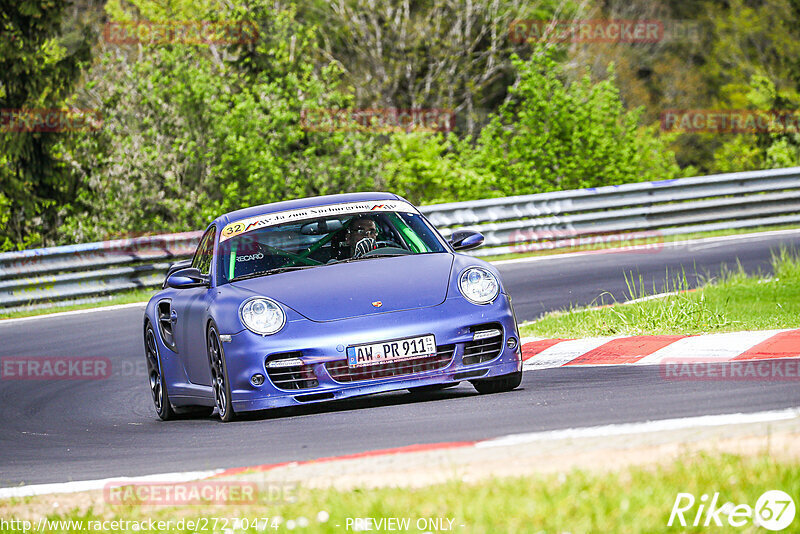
(83, 273)
(647, 209)
(49, 276)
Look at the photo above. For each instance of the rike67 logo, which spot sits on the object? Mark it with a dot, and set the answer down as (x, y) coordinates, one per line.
(774, 510)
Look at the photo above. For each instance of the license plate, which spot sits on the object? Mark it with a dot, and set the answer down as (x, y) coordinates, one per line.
(399, 349)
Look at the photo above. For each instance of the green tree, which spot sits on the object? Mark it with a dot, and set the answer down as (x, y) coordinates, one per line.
(427, 168)
(198, 130)
(41, 59)
(553, 135)
(452, 54)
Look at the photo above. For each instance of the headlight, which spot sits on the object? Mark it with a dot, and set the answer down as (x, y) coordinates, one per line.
(262, 316)
(478, 285)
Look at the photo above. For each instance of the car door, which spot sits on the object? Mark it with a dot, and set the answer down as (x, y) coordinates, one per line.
(189, 312)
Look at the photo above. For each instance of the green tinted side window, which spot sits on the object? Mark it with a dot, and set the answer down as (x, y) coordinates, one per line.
(205, 252)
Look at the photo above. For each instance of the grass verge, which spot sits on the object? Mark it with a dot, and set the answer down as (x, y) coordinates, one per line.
(732, 302)
(112, 300)
(636, 499)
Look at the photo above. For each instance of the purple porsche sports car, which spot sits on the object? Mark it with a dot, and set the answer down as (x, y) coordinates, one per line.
(326, 298)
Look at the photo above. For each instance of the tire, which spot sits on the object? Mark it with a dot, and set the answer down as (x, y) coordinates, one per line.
(155, 374)
(219, 375)
(498, 384)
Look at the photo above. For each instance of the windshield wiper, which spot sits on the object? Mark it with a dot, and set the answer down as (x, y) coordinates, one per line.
(271, 271)
(371, 256)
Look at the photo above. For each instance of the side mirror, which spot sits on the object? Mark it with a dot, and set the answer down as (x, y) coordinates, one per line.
(466, 239)
(177, 266)
(186, 278)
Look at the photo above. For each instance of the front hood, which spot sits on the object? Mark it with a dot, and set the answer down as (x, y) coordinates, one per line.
(340, 291)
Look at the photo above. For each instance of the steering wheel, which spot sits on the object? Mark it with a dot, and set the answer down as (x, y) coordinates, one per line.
(389, 243)
(387, 251)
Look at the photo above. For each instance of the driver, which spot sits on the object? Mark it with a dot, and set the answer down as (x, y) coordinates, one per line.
(361, 236)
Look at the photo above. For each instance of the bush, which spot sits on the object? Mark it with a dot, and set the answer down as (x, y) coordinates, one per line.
(550, 135)
(195, 131)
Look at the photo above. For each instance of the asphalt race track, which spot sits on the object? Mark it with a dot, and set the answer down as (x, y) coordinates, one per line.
(58, 431)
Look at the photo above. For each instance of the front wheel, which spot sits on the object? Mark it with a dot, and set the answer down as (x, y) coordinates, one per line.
(498, 384)
(219, 376)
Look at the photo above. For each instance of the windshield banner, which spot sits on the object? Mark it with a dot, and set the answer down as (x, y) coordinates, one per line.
(270, 219)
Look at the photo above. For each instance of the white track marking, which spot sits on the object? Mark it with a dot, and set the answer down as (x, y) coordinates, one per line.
(600, 307)
(722, 347)
(88, 485)
(638, 428)
(653, 297)
(505, 441)
(75, 312)
(564, 352)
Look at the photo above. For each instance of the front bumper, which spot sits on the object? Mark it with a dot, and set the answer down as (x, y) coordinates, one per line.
(319, 343)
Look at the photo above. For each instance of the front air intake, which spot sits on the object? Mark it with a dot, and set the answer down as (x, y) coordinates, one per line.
(287, 371)
(486, 344)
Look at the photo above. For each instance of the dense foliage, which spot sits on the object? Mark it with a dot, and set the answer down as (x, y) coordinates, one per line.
(193, 129)
(39, 64)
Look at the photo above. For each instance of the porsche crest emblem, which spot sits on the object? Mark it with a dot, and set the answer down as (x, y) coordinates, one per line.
(377, 304)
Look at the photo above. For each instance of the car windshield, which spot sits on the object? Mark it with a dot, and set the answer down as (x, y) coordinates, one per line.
(321, 241)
